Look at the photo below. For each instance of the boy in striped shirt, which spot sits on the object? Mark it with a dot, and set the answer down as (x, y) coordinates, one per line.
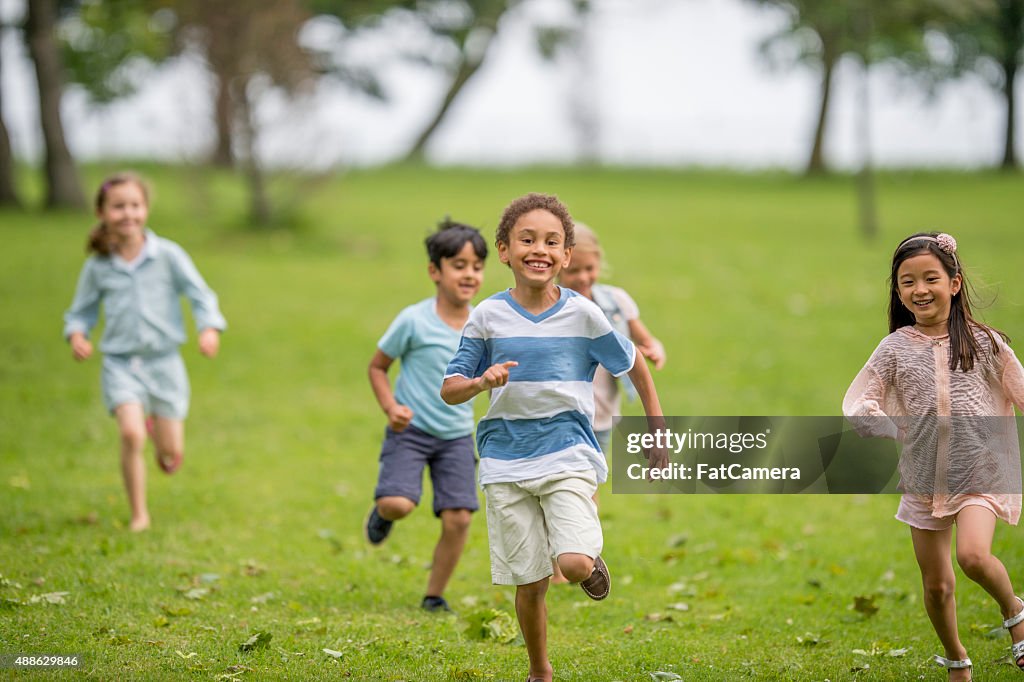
(536, 347)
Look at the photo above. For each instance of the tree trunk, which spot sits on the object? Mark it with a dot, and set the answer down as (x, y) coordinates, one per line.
(816, 162)
(223, 152)
(8, 193)
(259, 202)
(1011, 29)
(468, 66)
(63, 188)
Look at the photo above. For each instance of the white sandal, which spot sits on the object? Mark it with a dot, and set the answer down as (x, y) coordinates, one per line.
(955, 665)
(1018, 647)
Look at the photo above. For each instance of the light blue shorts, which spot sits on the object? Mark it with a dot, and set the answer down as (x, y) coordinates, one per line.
(157, 382)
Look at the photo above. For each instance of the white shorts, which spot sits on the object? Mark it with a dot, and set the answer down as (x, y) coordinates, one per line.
(529, 522)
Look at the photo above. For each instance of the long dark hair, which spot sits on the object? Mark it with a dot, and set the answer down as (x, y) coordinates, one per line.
(963, 345)
(100, 240)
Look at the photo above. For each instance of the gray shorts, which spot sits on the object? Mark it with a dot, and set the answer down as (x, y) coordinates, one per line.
(452, 469)
(157, 382)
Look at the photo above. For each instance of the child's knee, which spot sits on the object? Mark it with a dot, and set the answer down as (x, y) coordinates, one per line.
(972, 561)
(393, 508)
(939, 588)
(133, 436)
(575, 567)
(456, 520)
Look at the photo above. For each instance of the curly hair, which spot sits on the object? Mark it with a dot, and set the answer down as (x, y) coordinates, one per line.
(532, 202)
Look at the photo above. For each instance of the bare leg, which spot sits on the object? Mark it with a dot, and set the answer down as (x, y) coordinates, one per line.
(131, 423)
(168, 438)
(575, 567)
(975, 527)
(532, 612)
(932, 550)
(393, 508)
(454, 531)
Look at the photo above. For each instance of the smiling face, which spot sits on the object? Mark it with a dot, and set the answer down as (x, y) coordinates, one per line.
(926, 289)
(124, 211)
(459, 278)
(536, 249)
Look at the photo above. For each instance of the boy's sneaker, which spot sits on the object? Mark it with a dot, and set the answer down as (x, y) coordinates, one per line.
(599, 584)
(377, 527)
(435, 605)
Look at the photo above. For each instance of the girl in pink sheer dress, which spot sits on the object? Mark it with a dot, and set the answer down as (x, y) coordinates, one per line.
(944, 385)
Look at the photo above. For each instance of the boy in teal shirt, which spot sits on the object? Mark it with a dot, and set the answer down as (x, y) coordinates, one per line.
(422, 430)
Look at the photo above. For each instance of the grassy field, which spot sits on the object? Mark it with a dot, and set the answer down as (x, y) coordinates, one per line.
(764, 294)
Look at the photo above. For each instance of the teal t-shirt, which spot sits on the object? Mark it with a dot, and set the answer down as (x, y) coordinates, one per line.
(425, 345)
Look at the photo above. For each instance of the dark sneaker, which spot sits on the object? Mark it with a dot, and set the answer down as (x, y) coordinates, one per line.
(377, 527)
(599, 584)
(436, 605)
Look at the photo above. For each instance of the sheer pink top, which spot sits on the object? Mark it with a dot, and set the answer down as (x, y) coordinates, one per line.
(958, 435)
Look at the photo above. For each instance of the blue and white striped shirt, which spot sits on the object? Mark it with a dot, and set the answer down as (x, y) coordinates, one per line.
(540, 422)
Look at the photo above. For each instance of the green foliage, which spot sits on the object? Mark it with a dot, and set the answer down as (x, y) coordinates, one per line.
(106, 46)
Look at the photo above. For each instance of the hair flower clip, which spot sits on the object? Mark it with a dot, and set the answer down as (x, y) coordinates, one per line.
(946, 243)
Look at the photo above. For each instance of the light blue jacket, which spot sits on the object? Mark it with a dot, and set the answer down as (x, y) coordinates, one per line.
(142, 304)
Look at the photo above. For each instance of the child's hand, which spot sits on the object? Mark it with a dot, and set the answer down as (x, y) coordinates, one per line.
(496, 375)
(81, 348)
(657, 458)
(399, 417)
(209, 342)
(653, 351)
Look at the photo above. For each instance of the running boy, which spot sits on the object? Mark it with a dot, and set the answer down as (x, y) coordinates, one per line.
(536, 346)
(421, 429)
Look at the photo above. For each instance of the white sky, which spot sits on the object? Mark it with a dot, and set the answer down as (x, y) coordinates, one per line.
(673, 82)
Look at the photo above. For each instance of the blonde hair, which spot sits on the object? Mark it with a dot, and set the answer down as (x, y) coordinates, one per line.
(587, 242)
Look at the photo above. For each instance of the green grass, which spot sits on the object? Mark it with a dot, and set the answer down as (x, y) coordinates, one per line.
(765, 296)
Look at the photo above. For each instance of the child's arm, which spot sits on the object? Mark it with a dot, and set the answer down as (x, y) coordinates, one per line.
(205, 308)
(399, 415)
(81, 317)
(644, 384)
(646, 343)
(1013, 377)
(458, 389)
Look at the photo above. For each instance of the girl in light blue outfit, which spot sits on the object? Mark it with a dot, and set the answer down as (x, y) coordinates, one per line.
(139, 278)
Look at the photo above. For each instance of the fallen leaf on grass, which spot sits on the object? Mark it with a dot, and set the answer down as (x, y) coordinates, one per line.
(161, 622)
(252, 568)
(679, 606)
(860, 668)
(257, 641)
(491, 624)
(628, 630)
(865, 605)
(810, 639)
(48, 598)
(262, 598)
(678, 540)
(209, 577)
(659, 676)
(897, 653)
(332, 653)
(657, 618)
(187, 656)
(196, 593)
